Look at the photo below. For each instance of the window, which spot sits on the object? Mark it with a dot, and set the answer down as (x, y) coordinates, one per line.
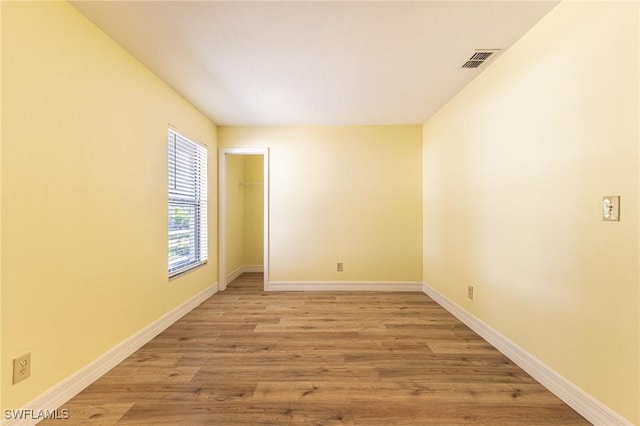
(187, 204)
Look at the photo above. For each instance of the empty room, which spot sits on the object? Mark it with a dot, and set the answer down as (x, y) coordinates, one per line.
(320, 212)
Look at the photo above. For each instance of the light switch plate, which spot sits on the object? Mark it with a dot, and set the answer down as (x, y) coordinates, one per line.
(611, 208)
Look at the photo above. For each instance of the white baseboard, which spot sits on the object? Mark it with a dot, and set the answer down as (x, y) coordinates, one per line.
(74, 384)
(583, 403)
(241, 270)
(344, 286)
(235, 274)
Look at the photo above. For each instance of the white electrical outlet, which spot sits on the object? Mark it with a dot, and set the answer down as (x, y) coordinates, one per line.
(21, 368)
(470, 292)
(340, 267)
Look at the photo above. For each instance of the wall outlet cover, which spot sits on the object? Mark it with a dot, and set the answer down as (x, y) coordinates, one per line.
(21, 368)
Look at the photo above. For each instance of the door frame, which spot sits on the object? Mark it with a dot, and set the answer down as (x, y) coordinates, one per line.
(222, 210)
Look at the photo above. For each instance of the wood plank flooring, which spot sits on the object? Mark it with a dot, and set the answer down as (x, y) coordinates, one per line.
(245, 357)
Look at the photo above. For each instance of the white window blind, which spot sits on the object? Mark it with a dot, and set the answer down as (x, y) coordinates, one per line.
(187, 204)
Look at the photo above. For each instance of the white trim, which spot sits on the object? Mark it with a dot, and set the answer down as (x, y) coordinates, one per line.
(78, 381)
(222, 213)
(235, 274)
(586, 405)
(344, 286)
(241, 270)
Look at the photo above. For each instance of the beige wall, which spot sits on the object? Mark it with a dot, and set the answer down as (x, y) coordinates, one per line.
(341, 194)
(84, 187)
(514, 170)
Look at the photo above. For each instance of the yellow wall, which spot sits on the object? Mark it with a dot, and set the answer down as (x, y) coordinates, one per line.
(84, 187)
(341, 194)
(244, 212)
(514, 170)
(1, 362)
(512, 180)
(253, 211)
(235, 213)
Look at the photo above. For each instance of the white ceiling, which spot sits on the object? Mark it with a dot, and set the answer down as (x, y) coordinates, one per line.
(324, 63)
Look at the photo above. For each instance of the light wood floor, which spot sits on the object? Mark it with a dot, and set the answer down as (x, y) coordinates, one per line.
(245, 357)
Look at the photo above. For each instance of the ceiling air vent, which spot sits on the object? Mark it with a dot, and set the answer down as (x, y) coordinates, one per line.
(480, 57)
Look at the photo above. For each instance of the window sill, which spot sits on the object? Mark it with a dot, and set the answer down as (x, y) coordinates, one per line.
(177, 274)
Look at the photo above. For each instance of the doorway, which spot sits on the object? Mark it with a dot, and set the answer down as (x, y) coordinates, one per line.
(240, 188)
